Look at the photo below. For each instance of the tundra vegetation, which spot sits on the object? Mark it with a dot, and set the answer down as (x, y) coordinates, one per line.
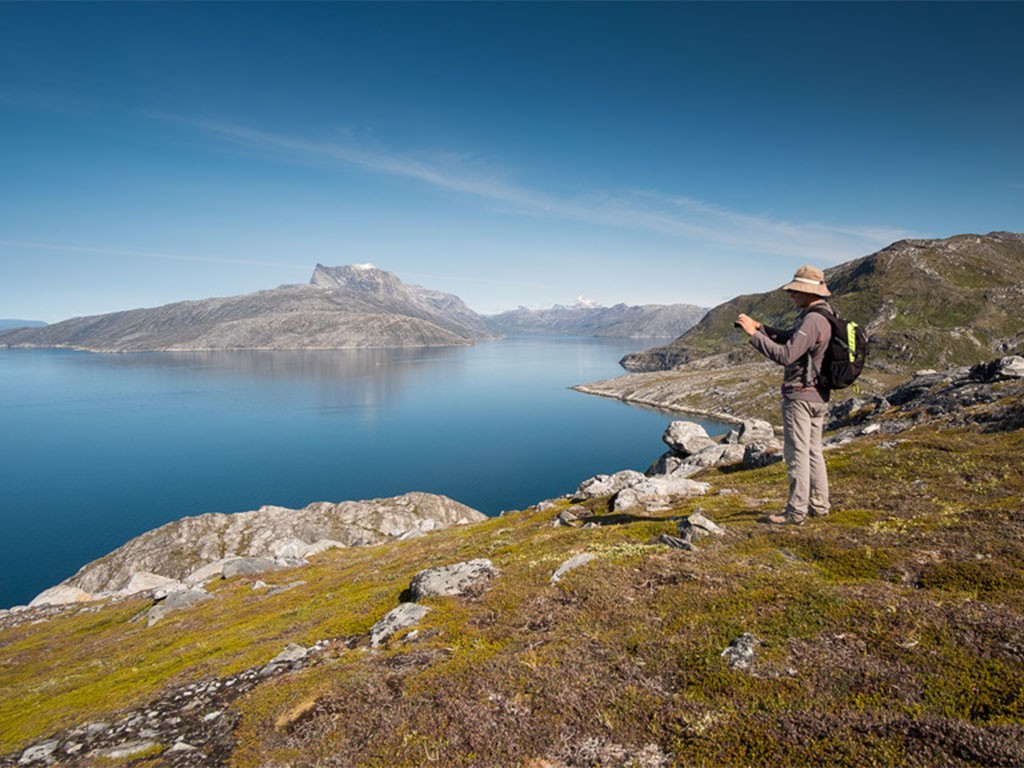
(889, 633)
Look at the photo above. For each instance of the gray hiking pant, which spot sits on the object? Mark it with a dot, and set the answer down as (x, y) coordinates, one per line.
(802, 424)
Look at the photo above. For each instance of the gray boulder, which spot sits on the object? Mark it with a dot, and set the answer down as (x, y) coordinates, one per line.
(175, 601)
(742, 652)
(297, 549)
(755, 430)
(404, 616)
(715, 455)
(570, 517)
(39, 753)
(686, 438)
(144, 581)
(672, 541)
(761, 454)
(292, 655)
(655, 494)
(608, 485)
(665, 464)
(697, 526)
(454, 579)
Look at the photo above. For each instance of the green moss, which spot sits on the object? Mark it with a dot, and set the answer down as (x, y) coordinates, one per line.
(977, 577)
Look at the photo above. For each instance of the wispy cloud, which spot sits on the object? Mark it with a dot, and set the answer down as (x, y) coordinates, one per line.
(694, 222)
(34, 245)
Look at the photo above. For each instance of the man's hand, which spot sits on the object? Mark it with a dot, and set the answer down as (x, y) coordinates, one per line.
(749, 325)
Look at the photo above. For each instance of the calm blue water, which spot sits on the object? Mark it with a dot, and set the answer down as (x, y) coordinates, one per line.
(96, 449)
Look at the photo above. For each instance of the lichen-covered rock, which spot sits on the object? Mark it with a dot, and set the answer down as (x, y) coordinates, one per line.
(175, 602)
(697, 526)
(755, 430)
(402, 617)
(665, 464)
(608, 485)
(292, 655)
(247, 566)
(658, 493)
(714, 455)
(39, 753)
(454, 579)
(756, 455)
(742, 652)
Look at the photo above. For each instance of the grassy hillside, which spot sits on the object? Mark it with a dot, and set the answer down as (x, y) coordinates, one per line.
(925, 303)
(890, 633)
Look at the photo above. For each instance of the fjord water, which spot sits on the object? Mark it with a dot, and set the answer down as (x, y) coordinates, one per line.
(96, 449)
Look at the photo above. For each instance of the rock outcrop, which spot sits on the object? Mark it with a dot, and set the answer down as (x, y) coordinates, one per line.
(188, 552)
(752, 443)
(986, 396)
(451, 579)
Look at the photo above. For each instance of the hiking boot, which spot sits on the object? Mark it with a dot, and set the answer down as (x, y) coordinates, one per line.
(783, 519)
(819, 513)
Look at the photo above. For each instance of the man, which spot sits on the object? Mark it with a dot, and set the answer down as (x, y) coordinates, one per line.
(804, 403)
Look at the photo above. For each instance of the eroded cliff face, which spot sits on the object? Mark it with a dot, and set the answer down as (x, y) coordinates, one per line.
(184, 550)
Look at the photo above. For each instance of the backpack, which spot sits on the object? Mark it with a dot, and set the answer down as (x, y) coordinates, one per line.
(846, 353)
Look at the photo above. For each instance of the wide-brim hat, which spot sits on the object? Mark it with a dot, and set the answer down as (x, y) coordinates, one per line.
(808, 280)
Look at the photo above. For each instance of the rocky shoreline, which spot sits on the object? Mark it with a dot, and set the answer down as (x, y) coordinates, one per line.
(712, 389)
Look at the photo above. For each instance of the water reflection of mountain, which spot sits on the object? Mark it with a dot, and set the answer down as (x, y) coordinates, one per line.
(349, 378)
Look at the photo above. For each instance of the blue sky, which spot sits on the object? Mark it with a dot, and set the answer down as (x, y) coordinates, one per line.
(512, 154)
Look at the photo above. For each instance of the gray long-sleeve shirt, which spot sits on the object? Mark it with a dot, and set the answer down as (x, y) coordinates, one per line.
(790, 348)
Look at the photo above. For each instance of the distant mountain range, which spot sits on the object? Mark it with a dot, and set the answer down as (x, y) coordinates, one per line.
(925, 304)
(341, 307)
(6, 323)
(647, 321)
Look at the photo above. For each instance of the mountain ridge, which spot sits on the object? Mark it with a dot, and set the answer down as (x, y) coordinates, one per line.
(925, 304)
(342, 307)
(620, 320)
(339, 309)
